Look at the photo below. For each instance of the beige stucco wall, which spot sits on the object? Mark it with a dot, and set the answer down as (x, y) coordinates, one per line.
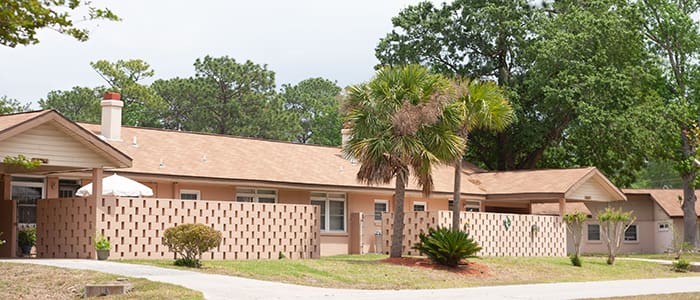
(643, 209)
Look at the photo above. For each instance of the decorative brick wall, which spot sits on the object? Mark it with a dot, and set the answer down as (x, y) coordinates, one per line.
(526, 235)
(135, 227)
(65, 228)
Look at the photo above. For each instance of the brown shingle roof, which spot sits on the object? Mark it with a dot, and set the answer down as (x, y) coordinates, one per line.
(11, 120)
(229, 157)
(669, 200)
(530, 181)
(552, 209)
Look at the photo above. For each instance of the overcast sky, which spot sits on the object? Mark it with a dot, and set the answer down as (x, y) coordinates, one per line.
(296, 39)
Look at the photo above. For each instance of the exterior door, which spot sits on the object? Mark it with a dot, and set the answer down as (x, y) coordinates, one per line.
(26, 191)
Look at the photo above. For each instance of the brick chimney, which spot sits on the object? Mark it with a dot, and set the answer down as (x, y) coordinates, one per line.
(112, 116)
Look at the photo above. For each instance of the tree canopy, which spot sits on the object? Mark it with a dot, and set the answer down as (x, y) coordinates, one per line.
(582, 84)
(20, 20)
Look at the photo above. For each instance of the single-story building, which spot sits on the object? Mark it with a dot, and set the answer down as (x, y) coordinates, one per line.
(658, 221)
(266, 196)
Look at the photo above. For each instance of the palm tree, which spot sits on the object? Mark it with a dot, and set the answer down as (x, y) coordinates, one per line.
(482, 105)
(402, 124)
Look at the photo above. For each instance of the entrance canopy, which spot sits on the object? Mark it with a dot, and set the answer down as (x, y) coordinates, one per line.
(116, 185)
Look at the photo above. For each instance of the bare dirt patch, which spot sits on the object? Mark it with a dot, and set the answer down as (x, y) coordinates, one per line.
(467, 268)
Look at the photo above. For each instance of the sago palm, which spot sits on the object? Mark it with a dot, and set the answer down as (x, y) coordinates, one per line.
(482, 105)
(402, 124)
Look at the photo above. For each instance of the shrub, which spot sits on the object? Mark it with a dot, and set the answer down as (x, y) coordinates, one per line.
(447, 246)
(189, 241)
(574, 224)
(102, 243)
(575, 260)
(27, 236)
(681, 265)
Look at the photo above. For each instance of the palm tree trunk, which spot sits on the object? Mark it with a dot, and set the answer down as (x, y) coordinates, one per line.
(397, 236)
(457, 201)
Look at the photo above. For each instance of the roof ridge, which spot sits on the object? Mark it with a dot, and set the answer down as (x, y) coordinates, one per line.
(216, 135)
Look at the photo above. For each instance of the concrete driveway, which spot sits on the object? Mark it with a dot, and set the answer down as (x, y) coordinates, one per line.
(217, 287)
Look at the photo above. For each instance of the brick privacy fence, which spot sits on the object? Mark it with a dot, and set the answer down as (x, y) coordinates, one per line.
(527, 235)
(135, 227)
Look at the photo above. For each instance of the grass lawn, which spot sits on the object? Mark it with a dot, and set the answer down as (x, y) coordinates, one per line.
(368, 272)
(27, 281)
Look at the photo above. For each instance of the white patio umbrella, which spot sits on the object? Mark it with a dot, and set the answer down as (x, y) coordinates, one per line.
(116, 185)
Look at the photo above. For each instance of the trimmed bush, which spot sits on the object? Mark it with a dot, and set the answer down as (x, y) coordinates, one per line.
(27, 237)
(575, 260)
(189, 241)
(447, 246)
(681, 265)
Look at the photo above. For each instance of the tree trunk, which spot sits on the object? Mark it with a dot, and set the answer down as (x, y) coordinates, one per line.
(397, 236)
(456, 196)
(611, 259)
(690, 217)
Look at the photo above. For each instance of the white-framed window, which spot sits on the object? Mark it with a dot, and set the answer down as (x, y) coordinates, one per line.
(664, 226)
(593, 232)
(631, 233)
(246, 194)
(380, 206)
(190, 195)
(332, 210)
(469, 205)
(420, 206)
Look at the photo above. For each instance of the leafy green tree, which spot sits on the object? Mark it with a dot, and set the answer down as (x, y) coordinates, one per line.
(80, 104)
(402, 124)
(613, 224)
(583, 87)
(180, 96)
(9, 106)
(658, 174)
(316, 108)
(673, 35)
(481, 105)
(236, 98)
(19, 20)
(574, 225)
(141, 104)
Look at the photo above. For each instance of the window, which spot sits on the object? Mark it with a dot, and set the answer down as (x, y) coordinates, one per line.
(332, 210)
(631, 233)
(380, 206)
(256, 195)
(67, 188)
(189, 194)
(593, 232)
(420, 206)
(26, 191)
(473, 206)
(664, 226)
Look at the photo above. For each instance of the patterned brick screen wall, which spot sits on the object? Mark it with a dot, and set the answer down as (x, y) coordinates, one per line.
(527, 235)
(135, 227)
(65, 228)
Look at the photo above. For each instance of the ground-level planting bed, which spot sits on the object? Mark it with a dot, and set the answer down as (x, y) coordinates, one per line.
(28, 281)
(371, 272)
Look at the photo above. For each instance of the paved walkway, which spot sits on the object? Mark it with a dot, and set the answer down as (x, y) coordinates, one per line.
(217, 287)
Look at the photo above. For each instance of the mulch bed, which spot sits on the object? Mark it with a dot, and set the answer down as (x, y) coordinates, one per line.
(467, 268)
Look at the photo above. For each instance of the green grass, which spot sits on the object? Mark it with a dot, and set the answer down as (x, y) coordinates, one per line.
(27, 281)
(368, 272)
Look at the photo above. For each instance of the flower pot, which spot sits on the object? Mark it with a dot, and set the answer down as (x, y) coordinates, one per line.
(26, 249)
(102, 254)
